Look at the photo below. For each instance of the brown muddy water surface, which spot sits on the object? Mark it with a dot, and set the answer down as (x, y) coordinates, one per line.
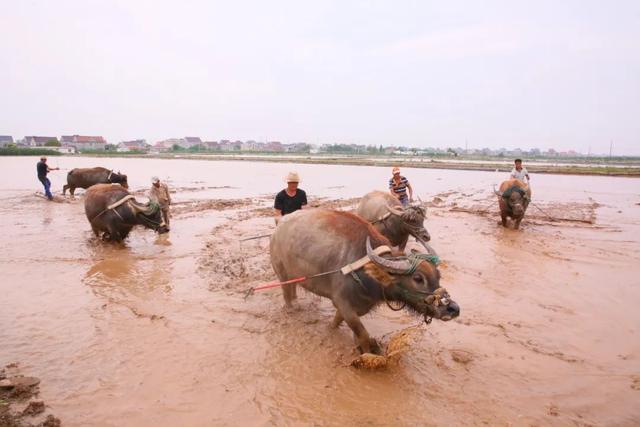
(157, 332)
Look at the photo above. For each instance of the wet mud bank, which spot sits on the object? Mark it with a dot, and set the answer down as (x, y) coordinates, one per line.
(157, 331)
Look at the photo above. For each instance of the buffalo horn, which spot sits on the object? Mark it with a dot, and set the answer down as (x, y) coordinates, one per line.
(393, 210)
(393, 266)
(140, 208)
(429, 249)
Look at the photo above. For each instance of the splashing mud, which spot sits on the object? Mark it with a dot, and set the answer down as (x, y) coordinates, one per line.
(157, 331)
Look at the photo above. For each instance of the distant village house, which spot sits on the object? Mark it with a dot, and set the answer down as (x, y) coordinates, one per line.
(40, 141)
(191, 141)
(135, 145)
(5, 140)
(84, 143)
(167, 144)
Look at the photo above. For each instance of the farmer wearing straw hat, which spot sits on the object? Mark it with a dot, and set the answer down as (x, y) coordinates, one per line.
(159, 193)
(291, 198)
(398, 186)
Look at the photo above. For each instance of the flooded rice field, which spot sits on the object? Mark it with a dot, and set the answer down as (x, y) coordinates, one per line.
(157, 331)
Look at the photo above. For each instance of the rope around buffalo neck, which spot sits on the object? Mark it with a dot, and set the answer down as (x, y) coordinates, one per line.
(416, 258)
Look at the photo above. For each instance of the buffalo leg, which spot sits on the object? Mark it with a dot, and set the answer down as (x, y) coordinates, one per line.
(289, 293)
(504, 220)
(337, 320)
(72, 190)
(516, 224)
(64, 189)
(360, 333)
(114, 234)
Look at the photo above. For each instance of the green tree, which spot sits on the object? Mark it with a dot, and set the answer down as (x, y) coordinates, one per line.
(52, 143)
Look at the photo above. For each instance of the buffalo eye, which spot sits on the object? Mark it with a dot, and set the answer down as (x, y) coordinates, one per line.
(418, 279)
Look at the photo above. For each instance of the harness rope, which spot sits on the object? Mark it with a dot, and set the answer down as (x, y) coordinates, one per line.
(417, 258)
(112, 207)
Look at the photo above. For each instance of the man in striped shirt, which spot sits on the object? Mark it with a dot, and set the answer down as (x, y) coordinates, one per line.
(398, 186)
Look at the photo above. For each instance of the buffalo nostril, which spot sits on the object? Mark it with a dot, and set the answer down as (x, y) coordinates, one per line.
(453, 309)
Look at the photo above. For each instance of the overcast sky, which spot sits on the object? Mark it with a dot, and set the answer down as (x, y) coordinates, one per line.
(547, 74)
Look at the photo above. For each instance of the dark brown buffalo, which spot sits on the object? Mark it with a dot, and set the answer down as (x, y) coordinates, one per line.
(513, 197)
(86, 177)
(392, 220)
(313, 241)
(115, 223)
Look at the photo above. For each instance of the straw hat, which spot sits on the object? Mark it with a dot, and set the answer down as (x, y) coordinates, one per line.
(292, 177)
(395, 170)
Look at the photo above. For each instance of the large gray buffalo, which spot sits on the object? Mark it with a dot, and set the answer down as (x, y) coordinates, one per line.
(113, 212)
(396, 223)
(86, 177)
(513, 197)
(314, 241)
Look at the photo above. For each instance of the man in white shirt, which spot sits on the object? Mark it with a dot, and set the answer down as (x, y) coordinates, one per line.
(519, 172)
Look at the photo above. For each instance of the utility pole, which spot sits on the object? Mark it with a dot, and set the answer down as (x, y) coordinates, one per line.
(610, 149)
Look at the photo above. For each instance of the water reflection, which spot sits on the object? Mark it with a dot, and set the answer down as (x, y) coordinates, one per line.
(121, 273)
(47, 214)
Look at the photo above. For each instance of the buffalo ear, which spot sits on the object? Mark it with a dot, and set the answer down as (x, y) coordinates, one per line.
(378, 274)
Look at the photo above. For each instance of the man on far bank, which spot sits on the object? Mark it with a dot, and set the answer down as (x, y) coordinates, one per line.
(519, 172)
(291, 198)
(43, 169)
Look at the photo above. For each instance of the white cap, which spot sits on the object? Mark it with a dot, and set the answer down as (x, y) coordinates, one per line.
(155, 179)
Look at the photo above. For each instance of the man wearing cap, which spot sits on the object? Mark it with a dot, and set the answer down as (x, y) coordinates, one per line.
(43, 169)
(291, 198)
(159, 193)
(398, 186)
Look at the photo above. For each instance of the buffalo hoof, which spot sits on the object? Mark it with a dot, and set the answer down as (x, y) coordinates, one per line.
(369, 361)
(292, 308)
(374, 347)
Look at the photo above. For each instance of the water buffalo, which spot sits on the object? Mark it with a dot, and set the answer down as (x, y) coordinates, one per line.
(514, 197)
(314, 241)
(396, 223)
(112, 211)
(86, 177)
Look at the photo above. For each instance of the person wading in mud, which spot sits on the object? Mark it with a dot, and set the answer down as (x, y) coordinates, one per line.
(159, 193)
(43, 169)
(398, 186)
(291, 198)
(519, 172)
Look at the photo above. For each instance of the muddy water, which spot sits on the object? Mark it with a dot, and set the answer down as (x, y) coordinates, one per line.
(157, 332)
